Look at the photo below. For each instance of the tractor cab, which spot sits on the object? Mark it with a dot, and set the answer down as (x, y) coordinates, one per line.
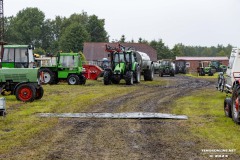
(123, 61)
(17, 56)
(69, 60)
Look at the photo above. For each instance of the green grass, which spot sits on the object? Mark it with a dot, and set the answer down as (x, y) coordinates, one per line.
(207, 120)
(22, 123)
(195, 75)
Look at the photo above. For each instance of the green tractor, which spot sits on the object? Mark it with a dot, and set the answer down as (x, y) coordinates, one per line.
(123, 66)
(218, 66)
(204, 68)
(17, 56)
(166, 68)
(17, 75)
(24, 83)
(68, 67)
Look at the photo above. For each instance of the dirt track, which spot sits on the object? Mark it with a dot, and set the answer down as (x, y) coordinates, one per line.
(124, 138)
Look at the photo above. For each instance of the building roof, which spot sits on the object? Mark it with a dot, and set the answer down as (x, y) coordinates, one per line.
(94, 51)
(202, 58)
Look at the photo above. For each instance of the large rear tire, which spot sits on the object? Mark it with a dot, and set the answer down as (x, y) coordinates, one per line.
(25, 93)
(49, 76)
(148, 74)
(235, 105)
(82, 79)
(228, 107)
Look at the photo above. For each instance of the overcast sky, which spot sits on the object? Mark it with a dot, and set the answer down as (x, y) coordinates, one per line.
(191, 22)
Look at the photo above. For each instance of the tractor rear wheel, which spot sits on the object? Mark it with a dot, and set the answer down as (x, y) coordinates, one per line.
(3, 113)
(148, 74)
(49, 76)
(107, 78)
(82, 79)
(73, 79)
(129, 78)
(235, 106)
(25, 92)
(39, 93)
(228, 107)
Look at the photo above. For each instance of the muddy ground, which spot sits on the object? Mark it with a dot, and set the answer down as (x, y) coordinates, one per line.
(75, 138)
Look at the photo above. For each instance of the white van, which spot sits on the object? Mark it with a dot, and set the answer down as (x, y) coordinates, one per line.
(233, 69)
(232, 73)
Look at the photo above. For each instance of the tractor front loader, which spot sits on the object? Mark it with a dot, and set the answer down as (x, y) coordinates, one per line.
(123, 66)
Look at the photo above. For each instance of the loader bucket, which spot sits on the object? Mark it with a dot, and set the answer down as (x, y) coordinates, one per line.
(92, 71)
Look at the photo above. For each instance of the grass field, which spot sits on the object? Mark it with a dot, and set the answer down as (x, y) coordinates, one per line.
(207, 119)
(195, 75)
(21, 122)
(203, 107)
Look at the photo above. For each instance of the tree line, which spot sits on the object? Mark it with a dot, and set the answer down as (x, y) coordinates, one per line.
(50, 36)
(164, 52)
(29, 26)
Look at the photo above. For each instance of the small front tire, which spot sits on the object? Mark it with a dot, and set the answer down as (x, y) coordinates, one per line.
(73, 79)
(107, 78)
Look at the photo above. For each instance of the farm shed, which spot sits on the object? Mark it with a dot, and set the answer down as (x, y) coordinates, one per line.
(95, 51)
(193, 62)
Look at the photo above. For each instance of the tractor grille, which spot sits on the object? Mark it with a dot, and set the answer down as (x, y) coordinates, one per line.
(16, 77)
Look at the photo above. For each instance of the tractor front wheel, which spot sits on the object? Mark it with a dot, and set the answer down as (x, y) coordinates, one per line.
(129, 78)
(107, 78)
(73, 79)
(25, 93)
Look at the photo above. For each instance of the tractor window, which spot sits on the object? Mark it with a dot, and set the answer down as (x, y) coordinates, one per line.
(127, 57)
(67, 61)
(116, 58)
(8, 55)
(20, 55)
(166, 63)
